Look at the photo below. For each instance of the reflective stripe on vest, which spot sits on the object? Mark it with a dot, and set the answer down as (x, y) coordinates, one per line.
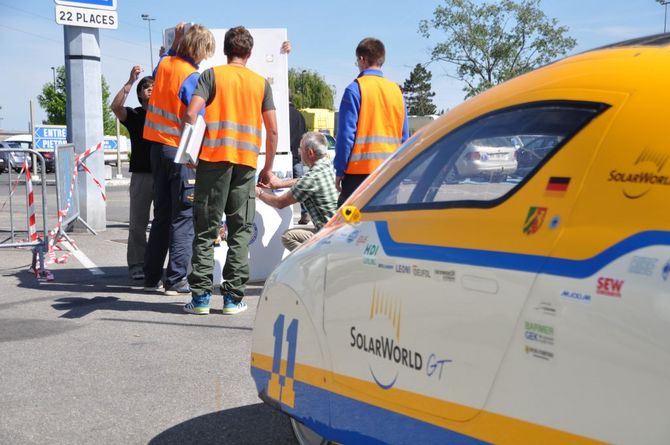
(380, 124)
(165, 108)
(234, 117)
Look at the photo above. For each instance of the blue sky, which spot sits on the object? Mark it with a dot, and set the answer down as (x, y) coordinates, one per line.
(323, 34)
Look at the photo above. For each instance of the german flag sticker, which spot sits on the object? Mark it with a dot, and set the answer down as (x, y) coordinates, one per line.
(557, 186)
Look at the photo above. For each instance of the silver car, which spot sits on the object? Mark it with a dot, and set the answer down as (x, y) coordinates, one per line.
(16, 158)
(493, 158)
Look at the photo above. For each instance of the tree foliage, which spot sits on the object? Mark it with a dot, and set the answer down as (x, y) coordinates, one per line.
(418, 92)
(53, 101)
(489, 43)
(309, 89)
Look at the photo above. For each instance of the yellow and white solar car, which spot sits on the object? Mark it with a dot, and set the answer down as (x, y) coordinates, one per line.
(532, 308)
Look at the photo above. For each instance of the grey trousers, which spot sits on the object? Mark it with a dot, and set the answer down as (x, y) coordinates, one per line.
(141, 195)
(293, 238)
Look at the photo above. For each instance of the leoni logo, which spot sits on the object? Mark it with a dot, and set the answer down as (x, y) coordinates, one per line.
(647, 173)
(609, 286)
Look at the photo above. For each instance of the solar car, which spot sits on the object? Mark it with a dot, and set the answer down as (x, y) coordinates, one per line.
(533, 310)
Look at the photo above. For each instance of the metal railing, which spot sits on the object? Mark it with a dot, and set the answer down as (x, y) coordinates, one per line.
(40, 246)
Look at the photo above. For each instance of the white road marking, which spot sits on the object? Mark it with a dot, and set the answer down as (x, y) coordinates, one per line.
(82, 258)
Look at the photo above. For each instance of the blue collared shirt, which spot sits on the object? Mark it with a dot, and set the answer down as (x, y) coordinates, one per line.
(190, 83)
(347, 122)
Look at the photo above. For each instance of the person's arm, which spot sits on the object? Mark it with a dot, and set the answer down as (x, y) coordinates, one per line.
(120, 99)
(194, 108)
(276, 201)
(271, 138)
(405, 123)
(346, 130)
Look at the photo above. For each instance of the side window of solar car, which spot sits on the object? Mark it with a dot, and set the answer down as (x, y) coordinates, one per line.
(485, 160)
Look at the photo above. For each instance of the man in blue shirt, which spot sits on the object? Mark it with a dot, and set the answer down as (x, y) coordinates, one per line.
(176, 77)
(368, 134)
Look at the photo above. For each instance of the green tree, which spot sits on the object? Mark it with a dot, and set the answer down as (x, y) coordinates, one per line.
(53, 101)
(418, 93)
(489, 43)
(309, 89)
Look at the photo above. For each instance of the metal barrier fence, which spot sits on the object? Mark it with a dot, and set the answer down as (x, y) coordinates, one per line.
(40, 246)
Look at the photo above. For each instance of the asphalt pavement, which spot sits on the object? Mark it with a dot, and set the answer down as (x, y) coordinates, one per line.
(91, 358)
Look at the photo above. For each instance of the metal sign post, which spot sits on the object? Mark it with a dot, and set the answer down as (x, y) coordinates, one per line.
(82, 18)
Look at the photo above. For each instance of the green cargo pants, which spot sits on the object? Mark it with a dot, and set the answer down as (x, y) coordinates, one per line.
(222, 187)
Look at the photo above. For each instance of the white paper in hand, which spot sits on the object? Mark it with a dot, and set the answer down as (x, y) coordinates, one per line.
(190, 143)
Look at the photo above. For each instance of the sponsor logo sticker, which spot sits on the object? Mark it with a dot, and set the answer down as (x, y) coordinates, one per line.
(539, 353)
(665, 273)
(380, 340)
(580, 297)
(642, 265)
(362, 239)
(420, 272)
(444, 275)
(610, 287)
(352, 236)
(534, 220)
(403, 268)
(645, 174)
(539, 333)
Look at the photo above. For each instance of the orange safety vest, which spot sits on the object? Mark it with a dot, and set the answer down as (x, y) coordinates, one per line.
(380, 124)
(234, 117)
(165, 109)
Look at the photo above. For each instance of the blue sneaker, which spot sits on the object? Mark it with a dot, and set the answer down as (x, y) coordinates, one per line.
(199, 304)
(232, 306)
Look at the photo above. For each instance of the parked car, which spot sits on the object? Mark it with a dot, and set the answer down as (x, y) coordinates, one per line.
(15, 158)
(532, 149)
(488, 157)
(4, 159)
(534, 310)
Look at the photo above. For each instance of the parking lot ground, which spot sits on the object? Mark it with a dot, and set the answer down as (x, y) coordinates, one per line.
(92, 358)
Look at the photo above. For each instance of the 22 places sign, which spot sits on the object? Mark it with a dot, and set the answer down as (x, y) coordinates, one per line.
(90, 18)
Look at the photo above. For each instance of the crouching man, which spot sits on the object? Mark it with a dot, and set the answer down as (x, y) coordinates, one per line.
(315, 189)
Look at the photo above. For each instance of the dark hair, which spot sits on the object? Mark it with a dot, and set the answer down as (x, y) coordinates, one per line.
(142, 83)
(238, 42)
(372, 51)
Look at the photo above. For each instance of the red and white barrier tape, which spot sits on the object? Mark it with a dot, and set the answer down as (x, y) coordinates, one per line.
(32, 230)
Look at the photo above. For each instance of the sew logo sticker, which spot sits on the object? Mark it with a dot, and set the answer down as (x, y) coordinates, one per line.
(534, 220)
(645, 174)
(557, 186)
(610, 287)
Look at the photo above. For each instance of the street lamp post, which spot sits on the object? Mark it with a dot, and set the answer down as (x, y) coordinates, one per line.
(53, 72)
(151, 46)
(665, 20)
